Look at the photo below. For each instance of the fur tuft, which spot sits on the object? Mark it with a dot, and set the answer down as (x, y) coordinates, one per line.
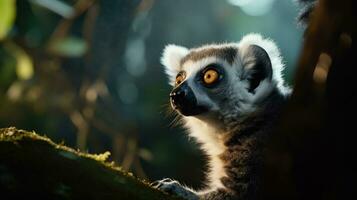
(171, 58)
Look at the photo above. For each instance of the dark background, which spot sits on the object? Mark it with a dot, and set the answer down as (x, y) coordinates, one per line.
(87, 73)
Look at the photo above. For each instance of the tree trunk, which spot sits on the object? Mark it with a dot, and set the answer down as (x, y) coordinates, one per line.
(310, 153)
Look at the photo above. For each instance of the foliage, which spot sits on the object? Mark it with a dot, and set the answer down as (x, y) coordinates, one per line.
(7, 16)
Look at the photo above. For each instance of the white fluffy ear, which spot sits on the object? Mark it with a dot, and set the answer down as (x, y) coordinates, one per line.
(171, 58)
(274, 55)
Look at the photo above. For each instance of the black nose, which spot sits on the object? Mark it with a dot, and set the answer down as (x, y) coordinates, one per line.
(183, 100)
(182, 96)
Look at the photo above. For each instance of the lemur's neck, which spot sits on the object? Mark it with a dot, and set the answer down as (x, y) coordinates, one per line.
(243, 156)
(242, 159)
(236, 155)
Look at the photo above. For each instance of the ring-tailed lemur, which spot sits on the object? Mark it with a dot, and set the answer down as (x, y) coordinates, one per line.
(228, 96)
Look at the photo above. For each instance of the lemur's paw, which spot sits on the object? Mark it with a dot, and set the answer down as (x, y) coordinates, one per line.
(173, 187)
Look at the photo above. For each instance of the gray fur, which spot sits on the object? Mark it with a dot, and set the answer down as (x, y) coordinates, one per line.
(226, 53)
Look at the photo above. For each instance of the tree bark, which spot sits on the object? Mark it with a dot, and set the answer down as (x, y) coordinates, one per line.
(310, 156)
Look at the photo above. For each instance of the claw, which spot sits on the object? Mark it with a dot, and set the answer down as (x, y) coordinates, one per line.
(156, 184)
(159, 183)
(175, 188)
(167, 180)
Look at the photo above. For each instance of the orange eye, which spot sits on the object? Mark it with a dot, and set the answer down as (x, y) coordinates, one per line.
(210, 76)
(180, 78)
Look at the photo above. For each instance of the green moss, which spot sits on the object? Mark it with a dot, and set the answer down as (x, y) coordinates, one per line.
(33, 165)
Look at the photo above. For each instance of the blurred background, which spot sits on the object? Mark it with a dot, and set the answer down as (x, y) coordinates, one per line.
(86, 72)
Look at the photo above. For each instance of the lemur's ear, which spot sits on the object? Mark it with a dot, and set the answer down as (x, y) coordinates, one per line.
(256, 66)
(262, 64)
(171, 58)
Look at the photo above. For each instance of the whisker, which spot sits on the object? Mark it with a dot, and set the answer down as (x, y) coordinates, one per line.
(176, 121)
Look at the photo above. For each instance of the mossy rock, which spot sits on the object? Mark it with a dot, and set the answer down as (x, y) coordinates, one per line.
(32, 166)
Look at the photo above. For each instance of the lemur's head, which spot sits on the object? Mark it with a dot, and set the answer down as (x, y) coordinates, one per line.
(219, 81)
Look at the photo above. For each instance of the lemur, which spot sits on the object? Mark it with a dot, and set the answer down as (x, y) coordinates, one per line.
(229, 96)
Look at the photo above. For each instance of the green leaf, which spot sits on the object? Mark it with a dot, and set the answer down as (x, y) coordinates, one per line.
(24, 64)
(24, 68)
(7, 16)
(69, 47)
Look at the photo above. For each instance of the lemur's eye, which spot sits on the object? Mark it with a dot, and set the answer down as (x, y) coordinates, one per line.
(180, 78)
(210, 76)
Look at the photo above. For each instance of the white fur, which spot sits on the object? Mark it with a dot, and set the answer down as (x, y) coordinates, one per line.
(171, 58)
(212, 144)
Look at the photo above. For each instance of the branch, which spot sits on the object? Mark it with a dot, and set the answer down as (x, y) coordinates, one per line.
(34, 166)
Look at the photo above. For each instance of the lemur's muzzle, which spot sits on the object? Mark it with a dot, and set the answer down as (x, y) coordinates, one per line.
(184, 101)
